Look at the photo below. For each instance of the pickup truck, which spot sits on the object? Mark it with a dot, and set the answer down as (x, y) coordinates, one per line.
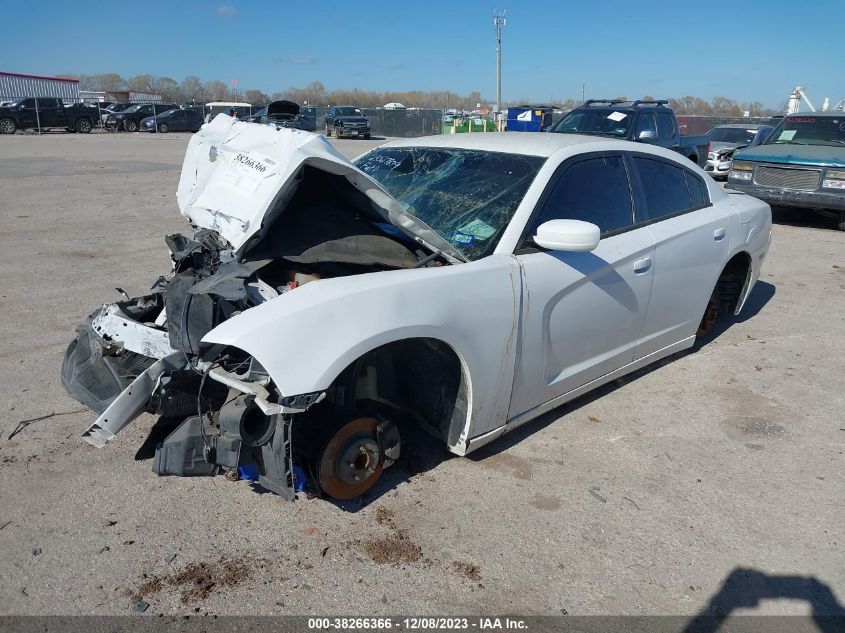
(50, 113)
(801, 164)
(649, 122)
(347, 121)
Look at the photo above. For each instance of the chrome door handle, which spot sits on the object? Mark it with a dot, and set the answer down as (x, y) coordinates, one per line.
(642, 265)
(719, 235)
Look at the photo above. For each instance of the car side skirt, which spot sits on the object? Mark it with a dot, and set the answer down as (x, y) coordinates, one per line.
(463, 448)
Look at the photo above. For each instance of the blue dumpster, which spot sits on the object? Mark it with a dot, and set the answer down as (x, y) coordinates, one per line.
(529, 118)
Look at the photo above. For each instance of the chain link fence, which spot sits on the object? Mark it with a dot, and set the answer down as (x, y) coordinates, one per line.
(40, 115)
(408, 123)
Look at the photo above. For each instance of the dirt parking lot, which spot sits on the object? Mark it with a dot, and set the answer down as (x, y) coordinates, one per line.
(715, 476)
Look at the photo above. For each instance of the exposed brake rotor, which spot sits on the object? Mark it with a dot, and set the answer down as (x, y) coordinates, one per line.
(351, 461)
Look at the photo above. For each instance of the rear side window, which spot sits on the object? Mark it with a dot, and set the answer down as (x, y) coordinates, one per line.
(667, 189)
(697, 193)
(594, 190)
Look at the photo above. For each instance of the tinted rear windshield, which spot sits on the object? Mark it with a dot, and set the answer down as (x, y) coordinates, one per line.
(809, 130)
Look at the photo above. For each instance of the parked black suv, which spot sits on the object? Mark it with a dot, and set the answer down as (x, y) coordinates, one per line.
(49, 113)
(130, 118)
(180, 120)
(650, 122)
(347, 121)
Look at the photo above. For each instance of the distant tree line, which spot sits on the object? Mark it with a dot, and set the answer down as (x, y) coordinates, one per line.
(191, 88)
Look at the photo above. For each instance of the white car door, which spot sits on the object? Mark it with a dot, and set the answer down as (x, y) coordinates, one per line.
(692, 242)
(581, 313)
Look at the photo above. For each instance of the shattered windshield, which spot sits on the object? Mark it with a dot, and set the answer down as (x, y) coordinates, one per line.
(809, 130)
(468, 197)
(594, 121)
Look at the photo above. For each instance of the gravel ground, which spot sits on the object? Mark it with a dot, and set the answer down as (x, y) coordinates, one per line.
(714, 476)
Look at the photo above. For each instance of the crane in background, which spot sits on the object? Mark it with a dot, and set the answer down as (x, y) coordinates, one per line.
(793, 104)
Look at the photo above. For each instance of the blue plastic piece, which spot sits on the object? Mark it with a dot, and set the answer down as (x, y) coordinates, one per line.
(249, 472)
(300, 479)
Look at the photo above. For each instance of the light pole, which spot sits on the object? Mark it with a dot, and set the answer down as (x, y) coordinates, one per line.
(499, 22)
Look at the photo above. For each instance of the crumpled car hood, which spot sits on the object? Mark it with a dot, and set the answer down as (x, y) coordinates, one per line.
(237, 176)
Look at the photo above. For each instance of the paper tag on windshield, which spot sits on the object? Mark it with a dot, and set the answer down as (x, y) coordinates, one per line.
(478, 229)
(616, 116)
(787, 135)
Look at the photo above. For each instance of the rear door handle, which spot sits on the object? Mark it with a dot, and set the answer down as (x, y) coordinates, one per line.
(719, 235)
(642, 265)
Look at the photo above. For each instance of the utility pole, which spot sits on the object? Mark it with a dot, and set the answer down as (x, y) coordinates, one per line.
(499, 22)
(583, 91)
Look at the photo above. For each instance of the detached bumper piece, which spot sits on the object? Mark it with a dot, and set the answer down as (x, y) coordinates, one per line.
(246, 437)
(131, 402)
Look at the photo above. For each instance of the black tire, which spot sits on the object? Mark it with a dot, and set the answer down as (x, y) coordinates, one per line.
(162, 127)
(83, 126)
(328, 130)
(367, 136)
(721, 304)
(130, 125)
(8, 126)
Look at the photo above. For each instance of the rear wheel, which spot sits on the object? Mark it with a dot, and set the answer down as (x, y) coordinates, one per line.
(8, 126)
(83, 126)
(130, 126)
(367, 136)
(163, 128)
(723, 301)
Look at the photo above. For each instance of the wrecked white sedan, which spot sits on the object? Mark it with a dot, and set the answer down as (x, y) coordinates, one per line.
(465, 284)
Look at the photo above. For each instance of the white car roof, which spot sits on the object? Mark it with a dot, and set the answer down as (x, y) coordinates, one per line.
(530, 143)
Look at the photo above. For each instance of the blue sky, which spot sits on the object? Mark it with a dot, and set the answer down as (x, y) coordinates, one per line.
(751, 50)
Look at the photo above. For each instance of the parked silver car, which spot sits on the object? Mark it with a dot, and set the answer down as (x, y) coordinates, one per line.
(727, 139)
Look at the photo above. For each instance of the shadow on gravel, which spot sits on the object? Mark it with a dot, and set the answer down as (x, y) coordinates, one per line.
(745, 588)
(757, 300)
(792, 216)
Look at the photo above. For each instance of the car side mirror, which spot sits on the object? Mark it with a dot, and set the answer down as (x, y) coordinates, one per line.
(567, 235)
(647, 135)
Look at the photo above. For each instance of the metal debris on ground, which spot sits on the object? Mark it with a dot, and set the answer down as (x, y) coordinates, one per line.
(140, 606)
(594, 491)
(25, 423)
(632, 501)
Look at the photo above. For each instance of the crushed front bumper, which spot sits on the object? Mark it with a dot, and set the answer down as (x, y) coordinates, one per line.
(122, 368)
